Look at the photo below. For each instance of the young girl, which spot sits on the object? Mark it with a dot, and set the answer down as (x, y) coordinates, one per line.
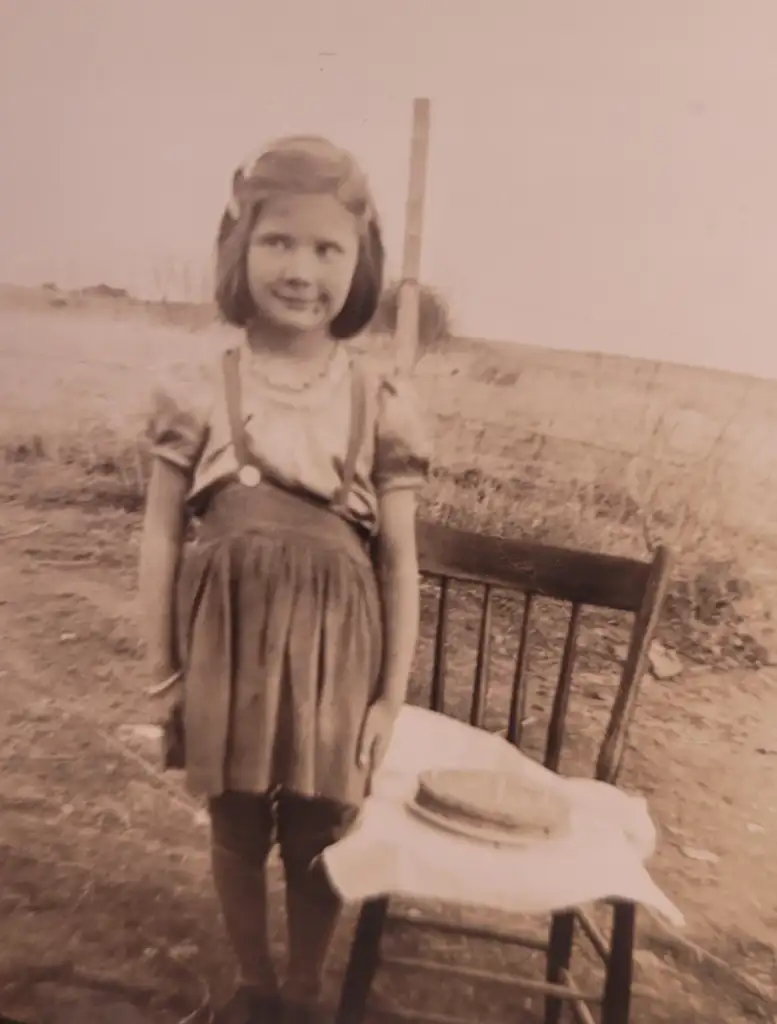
(286, 630)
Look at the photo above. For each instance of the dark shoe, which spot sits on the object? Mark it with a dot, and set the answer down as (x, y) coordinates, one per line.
(247, 1006)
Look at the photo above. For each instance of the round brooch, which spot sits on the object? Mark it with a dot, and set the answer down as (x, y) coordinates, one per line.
(249, 476)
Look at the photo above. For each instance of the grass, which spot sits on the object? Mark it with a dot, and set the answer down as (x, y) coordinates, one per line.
(705, 617)
(71, 432)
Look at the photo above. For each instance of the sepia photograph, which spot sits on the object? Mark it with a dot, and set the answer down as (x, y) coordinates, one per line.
(388, 512)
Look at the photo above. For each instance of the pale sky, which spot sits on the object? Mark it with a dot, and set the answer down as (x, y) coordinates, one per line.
(603, 174)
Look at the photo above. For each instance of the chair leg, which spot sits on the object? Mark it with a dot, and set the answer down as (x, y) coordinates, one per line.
(363, 962)
(562, 934)
(620, 966)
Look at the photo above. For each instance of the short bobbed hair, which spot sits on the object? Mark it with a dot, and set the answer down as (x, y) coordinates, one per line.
(301, 165)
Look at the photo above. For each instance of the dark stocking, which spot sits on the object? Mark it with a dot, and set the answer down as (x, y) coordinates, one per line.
(242, 836)
(305, 828)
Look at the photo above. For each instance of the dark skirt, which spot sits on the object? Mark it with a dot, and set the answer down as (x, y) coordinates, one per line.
(280, 639)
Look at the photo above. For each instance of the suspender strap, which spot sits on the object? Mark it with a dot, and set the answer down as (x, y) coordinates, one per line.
(355, 433)
(231, 370)
(231, 365)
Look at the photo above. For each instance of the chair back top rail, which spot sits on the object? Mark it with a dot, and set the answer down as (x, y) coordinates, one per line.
(562, 574)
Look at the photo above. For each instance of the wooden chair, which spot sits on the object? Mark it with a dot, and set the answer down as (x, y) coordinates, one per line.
(578, 579)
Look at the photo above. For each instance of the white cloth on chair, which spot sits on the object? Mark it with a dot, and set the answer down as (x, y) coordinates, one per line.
(390, 851)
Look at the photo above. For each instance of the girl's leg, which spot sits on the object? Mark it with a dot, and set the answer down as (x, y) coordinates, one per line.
(306, 826)
(242, 832)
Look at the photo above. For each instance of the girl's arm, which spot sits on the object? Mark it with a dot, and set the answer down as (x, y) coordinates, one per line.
(400, 592)
(160, 553)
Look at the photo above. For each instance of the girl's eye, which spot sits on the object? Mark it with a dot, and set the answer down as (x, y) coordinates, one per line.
(327, 249)
(276, 241)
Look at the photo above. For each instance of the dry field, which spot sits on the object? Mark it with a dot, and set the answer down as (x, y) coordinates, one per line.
(104, 862)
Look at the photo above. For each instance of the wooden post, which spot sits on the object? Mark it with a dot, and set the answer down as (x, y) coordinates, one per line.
(409, 294)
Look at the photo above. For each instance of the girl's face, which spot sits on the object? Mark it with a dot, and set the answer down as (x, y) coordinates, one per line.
(301, 261)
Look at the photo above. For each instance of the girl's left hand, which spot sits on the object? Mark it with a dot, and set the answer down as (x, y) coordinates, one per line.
(376, 734)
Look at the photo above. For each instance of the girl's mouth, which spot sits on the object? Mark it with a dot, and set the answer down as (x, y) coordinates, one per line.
(296, 303)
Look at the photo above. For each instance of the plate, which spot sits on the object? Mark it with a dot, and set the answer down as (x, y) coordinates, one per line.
(481, 833)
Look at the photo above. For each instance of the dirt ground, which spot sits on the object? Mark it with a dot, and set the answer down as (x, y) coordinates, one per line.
(107, 909)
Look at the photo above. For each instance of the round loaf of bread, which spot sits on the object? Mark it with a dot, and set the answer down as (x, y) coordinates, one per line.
(492, 801)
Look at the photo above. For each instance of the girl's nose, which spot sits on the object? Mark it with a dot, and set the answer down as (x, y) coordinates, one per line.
(301, 265)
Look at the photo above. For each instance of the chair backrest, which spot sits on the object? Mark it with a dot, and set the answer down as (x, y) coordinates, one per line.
(508, 579)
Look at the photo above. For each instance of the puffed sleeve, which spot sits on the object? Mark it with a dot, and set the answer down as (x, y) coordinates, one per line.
(177, 428)
(403, 446)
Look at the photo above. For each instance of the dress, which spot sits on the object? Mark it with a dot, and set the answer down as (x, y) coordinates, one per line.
(279, 625)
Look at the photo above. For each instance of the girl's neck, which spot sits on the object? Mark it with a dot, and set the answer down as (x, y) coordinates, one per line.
(299, 348)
